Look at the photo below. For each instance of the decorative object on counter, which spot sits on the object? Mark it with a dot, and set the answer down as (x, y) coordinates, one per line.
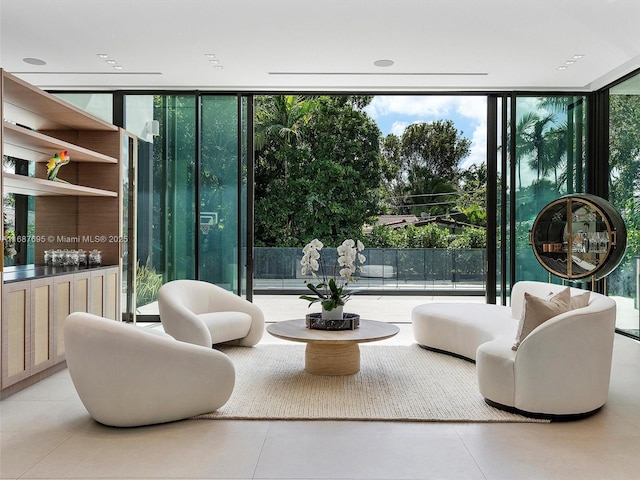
(54, 164)
(349, 321)
(331, 292)
(579, 237)
(95, 258)
(64, 258)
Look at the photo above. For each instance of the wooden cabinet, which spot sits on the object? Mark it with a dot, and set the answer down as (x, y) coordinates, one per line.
(579, 236)
(83, 212)
(111, 298)
(41, 295)
(34, 314)
(16, 333)
(63, 305)
(81, 292)
(103, 288)
(27, 343)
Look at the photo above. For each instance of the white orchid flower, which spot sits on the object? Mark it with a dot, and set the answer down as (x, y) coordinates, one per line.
(360, 246)
(362, 258)
(345, 273)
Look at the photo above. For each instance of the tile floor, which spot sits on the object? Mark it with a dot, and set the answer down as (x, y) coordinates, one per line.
(47, 434)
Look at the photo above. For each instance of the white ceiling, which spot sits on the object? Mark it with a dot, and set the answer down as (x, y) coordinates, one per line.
(322, 45)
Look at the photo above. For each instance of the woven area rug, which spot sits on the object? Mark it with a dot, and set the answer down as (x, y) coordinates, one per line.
(394, 383)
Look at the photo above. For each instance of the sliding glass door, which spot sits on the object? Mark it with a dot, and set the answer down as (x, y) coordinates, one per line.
(191, 191)
(222, 192)
(624, 193)
(537, 154)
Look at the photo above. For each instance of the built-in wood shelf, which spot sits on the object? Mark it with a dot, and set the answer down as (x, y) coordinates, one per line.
(33, 146)
(30, 106)
(41, 187)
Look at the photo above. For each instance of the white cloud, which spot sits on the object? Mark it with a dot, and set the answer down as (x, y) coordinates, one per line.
(478, 152)
(432, 107)
(475, 108)
(398, 128)
(419, 106)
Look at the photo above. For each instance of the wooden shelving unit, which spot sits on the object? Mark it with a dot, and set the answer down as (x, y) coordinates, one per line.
(36, 147)
(28, 105)
(35, 126)
(39, 186)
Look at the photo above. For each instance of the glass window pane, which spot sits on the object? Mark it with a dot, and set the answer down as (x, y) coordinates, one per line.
(98, 104)
(218, 191)
(166, 240)
(624, 193)
(549, 163)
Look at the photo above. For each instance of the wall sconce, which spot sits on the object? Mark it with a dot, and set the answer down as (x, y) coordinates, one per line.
(152, 127)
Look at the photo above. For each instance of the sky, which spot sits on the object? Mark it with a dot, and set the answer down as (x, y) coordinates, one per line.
(393, 113)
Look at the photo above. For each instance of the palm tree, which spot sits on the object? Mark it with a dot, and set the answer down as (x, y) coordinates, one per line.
(282, 118)
(555, 152)
(524, 145)
(530, 140)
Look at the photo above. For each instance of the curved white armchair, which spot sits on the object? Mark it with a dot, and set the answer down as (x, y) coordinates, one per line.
(561, 370)
(128, 376)
(204, 314)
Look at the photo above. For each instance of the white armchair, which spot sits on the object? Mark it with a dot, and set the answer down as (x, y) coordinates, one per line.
(560, 370)
(204, 314)
(127, 376)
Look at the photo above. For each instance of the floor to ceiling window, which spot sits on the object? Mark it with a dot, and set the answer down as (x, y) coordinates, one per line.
(195, 165)
(548, 153)
(624, 193)
(191, 190)
(222, 191)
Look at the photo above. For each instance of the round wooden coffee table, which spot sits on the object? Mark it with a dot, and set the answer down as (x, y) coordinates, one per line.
(332, 352)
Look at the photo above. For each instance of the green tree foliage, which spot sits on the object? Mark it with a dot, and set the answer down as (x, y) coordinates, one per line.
(392, 186)
(425, 163)
(473, 194)
(469, 238)
(624, 183)
(428, 236)
(318, 169)
(624, 148)
(435, 148)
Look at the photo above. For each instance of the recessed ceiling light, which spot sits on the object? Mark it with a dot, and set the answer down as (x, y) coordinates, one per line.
(214, 62)
(578, 56)
(111, 62)
(210, 55)
(218, 67)
(102, 55)
(570, 62)
(562, 67)
(383, 63)
(118, 67)
(34, 61)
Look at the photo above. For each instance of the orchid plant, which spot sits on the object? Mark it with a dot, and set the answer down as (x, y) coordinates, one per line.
(331, 292)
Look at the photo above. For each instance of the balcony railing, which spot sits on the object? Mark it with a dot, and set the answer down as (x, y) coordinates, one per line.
(386, 269)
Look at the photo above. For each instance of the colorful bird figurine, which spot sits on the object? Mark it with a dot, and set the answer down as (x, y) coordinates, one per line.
(54, 164)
